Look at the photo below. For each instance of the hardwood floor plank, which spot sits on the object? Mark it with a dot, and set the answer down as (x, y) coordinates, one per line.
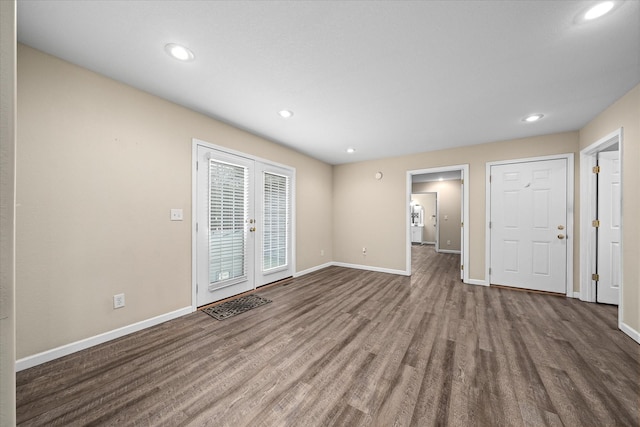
(344, 347)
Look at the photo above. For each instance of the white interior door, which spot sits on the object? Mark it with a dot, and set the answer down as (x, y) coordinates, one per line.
(244, 220)
(609, 205)
(528, 219)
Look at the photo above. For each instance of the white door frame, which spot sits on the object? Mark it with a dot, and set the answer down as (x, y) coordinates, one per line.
(588, 190)
(464, 256)
(570, 212)
(194, 187)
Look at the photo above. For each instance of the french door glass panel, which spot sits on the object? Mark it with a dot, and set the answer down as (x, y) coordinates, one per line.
(274, 206)
(275, 221)
(228, 214)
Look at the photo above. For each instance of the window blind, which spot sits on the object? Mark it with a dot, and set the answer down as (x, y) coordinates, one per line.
(275, 221)
(228, 211)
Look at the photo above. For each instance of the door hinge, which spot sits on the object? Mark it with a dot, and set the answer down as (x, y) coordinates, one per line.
(461, 224)
(596, 169)
(595, 223)
(595, 276)
(196, 227)
(489, 178)
(197, 165)
(196, 288)
(489, 224)
(489, 271)
(462, 181)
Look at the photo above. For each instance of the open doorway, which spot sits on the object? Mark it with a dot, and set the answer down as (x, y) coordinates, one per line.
(453, 223)
(424, 218)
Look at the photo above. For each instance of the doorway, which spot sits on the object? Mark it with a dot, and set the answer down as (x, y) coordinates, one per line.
(424, 218)
(601, 278)
(243, 223)
(459, 221)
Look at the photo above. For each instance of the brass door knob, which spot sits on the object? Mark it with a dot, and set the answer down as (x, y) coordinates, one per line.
(252, 229)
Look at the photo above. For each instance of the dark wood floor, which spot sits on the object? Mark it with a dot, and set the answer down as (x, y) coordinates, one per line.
(355, 348)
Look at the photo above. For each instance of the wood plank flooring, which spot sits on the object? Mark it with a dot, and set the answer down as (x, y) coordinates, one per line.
(354, 348)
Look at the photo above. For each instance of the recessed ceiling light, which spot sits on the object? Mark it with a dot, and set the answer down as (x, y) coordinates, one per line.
(441, 179)
(351, 150)
(533, 118)
(599, 10)
(285, 114)
(179, 52)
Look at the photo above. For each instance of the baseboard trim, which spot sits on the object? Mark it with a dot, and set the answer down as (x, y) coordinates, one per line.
(313, 269)
(55, 353)
(635, 335)
(576, 294)
(370, 268)
(448, 251)
(477, 282)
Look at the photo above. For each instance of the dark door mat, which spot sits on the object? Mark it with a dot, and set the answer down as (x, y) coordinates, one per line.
(236, 306)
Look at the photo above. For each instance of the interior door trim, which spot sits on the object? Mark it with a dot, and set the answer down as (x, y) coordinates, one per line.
(195, 143)
(464, 256)
(570, 213)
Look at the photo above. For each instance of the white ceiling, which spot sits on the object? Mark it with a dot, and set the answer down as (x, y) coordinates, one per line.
(388, 78)
(437, 176)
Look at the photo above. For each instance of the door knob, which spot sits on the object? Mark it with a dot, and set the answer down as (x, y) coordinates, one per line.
(252, 229)
(561, 227)
(560, 236)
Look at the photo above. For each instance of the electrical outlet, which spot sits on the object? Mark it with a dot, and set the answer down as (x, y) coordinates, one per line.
(118, 301)
(364, 251)
(448, 242)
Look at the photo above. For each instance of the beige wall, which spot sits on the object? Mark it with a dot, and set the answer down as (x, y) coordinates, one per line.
(384, 201)
(625, 113)
(100, 165)
(450, 205)
(7, 212)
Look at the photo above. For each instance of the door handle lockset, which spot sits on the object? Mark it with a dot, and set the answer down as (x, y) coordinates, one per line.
(560, 236)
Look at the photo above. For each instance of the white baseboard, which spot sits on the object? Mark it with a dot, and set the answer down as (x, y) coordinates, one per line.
(55, 353)
(312, 269)
(477, 282)
(370, 268)
(448, 251)
(635, 335)
(575, 295)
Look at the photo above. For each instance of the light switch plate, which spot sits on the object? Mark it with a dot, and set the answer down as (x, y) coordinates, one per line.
(176, 214)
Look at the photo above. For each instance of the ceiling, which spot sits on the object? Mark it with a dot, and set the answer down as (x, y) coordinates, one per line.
(437, 176)
(386, 78)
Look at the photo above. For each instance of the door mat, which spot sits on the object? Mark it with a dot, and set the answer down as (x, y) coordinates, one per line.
(236, 306)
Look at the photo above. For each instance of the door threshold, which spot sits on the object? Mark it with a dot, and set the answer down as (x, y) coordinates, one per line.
(532, 291)
(283, 282)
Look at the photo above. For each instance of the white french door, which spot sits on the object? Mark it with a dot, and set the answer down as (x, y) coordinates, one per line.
(528, 225)
(243, 229)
